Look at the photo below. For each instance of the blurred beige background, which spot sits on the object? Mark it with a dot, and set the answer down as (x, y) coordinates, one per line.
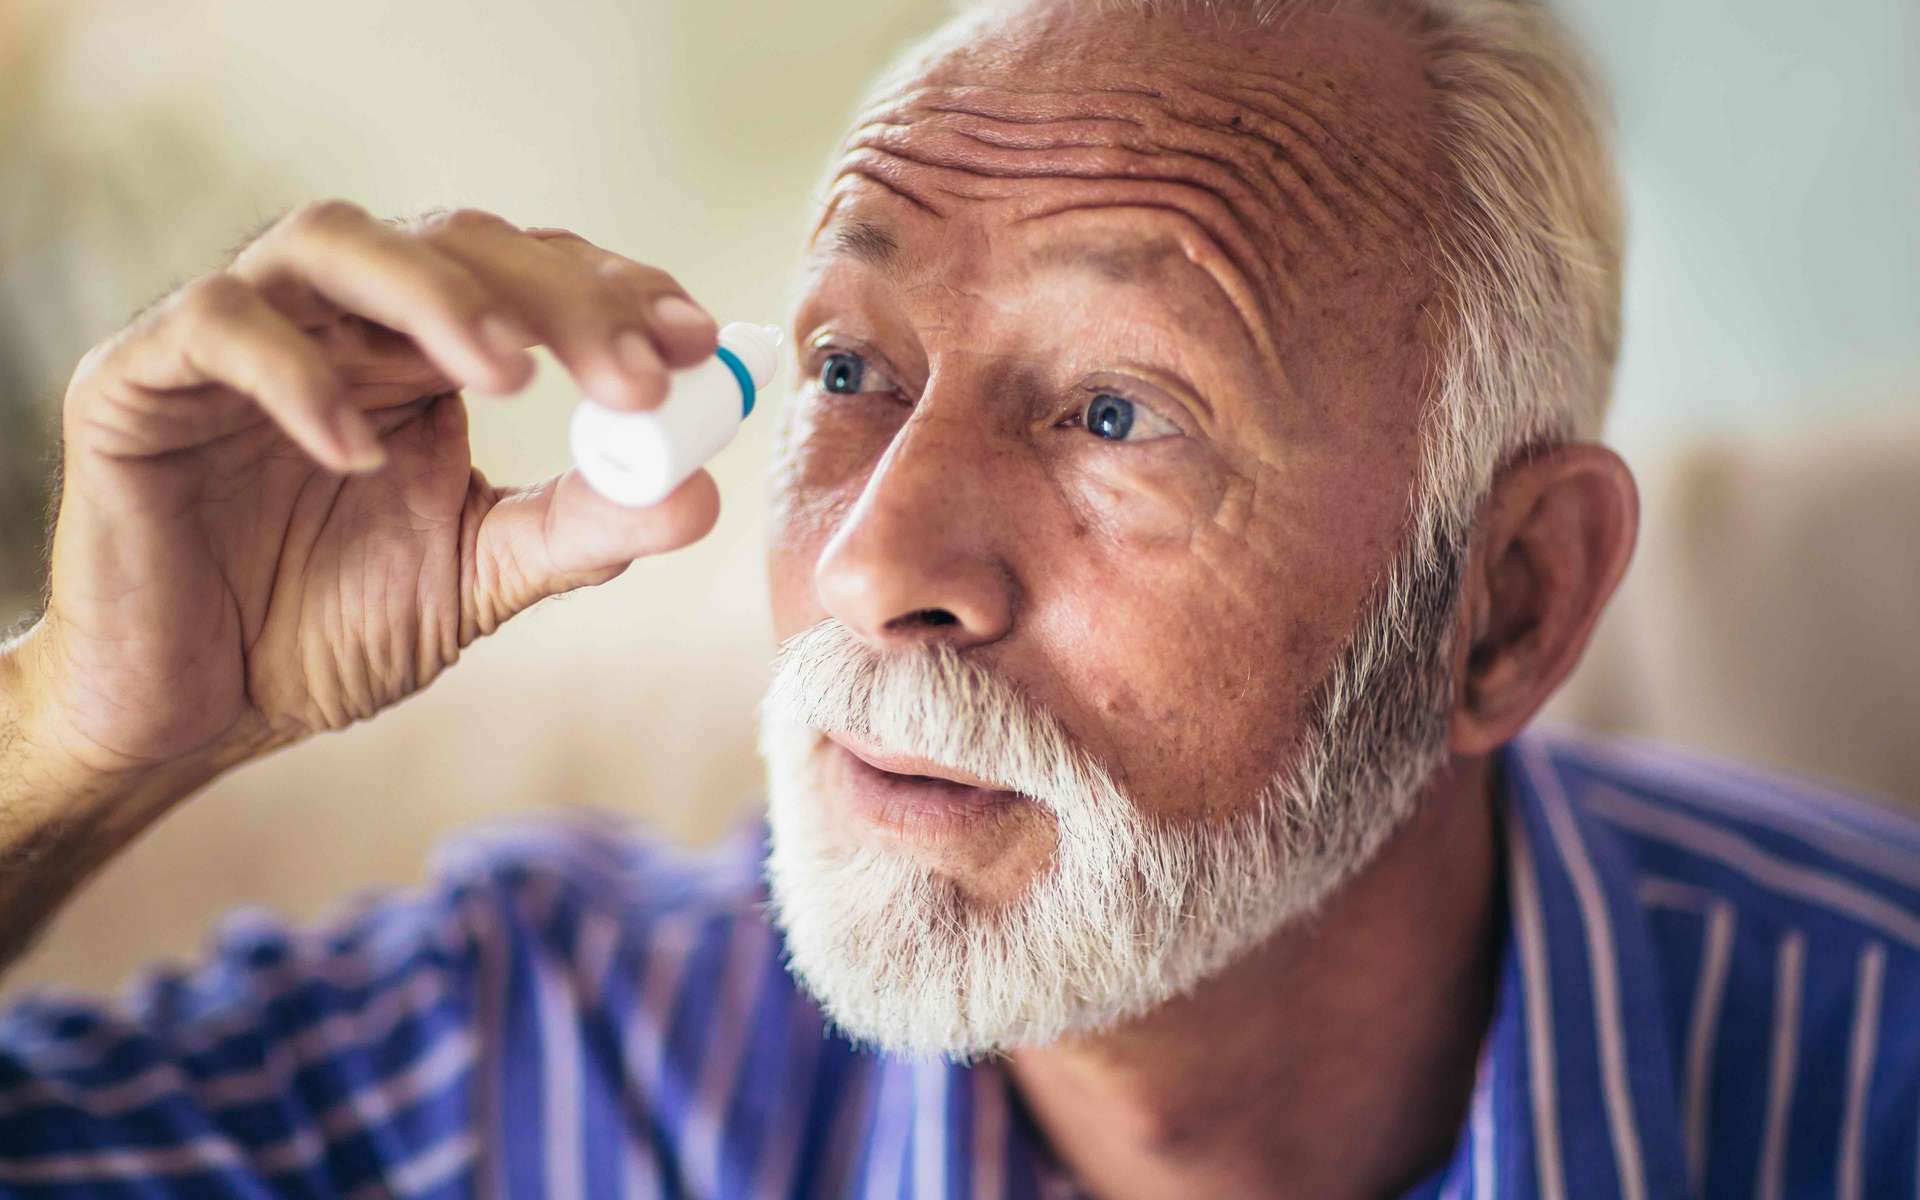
(1767, 393)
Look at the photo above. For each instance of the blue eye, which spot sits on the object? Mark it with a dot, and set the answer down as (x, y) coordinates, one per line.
(842, 373)
(1109, 416)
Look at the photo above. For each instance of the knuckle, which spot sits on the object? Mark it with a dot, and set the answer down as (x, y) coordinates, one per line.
(634, 278)
(324, 216)
(454, 288)
(92, 363)
(560, 237)
(212, 300)
(467, 222)
(624, 285)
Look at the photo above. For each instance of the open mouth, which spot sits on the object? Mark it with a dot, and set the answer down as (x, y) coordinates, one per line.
(909, 796)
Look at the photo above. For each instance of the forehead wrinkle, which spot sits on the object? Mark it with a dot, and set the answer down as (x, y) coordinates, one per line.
(882, 172)
(1241, 168)
(1218, 268)
(1251, 123)
(960, 161)
(1398, 184)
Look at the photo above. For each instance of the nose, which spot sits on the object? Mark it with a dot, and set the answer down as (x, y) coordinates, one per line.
(914, 561)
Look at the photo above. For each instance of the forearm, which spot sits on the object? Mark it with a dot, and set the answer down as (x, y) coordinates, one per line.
(59, 818)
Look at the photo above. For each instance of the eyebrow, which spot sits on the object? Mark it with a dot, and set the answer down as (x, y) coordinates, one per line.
(874, 245)
(1119, 262)
(1115, 262)
(867, 242)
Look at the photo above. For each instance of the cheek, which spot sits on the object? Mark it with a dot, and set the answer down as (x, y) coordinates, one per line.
(1173, 622)
(1195, 700)
(1139, 498)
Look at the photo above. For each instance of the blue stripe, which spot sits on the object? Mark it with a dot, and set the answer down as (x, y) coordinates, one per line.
(620, 905)
(1893, 1101)
(522, 1061)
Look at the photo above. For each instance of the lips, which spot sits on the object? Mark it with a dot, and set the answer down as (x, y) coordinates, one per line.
(909, 765)
(906, 796)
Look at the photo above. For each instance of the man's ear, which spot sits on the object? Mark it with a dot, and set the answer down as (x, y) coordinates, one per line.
(1552, 540)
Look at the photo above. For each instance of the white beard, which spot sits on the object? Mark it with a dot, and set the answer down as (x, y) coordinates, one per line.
(1129, 912)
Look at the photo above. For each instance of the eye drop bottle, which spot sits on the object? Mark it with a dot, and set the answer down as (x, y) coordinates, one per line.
(638, 458)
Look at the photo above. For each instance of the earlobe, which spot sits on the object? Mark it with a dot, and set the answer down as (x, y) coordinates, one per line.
(1552, 541)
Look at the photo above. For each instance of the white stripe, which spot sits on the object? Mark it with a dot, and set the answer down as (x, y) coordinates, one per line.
(639, 1180)
(727, 1028)
(1703, 1032)
(1786, 1035)
(368, 1109)
(423, 1172)
(1482, 1132)
(1603, 962)
(856, 1112)
(308, 961)
(562, 1134)
(669, 946)
(1866, 1032)
(1659, 892)
(317, 1043)
(989, 1133)
(886, 1161)
(644, 1036)
(1533, 960)
(1479, 1184)
(595, 941)
(201, 1154)
(929, 1130)
(1777, 803)
(1737, 852)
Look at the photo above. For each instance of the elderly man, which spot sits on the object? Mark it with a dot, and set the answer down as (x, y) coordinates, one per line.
(1188, 502)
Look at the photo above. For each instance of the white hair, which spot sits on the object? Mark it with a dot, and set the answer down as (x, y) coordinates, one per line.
(1528, 237)
(1131, 909)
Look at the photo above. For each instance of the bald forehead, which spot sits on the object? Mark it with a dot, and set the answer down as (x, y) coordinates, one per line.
(1280, 155)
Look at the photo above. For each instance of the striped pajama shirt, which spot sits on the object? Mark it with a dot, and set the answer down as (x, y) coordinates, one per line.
(1709, 985)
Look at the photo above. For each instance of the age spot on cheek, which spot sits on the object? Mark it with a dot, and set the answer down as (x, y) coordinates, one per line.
(1119, 703)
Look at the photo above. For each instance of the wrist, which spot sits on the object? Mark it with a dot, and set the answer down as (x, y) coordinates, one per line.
(38, 751)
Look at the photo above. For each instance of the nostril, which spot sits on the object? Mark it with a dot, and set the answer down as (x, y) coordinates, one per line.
(931, 618)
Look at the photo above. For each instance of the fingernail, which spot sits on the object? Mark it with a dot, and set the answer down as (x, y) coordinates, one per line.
(504, 337)
(637, 355)
(681, 317)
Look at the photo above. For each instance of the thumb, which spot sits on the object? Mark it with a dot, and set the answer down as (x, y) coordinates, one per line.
(560, 534)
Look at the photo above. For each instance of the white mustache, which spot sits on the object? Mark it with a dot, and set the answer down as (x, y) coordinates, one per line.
(934, 704)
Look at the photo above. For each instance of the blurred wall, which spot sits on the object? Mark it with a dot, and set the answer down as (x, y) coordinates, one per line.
(1771, 151)
(690, 135)
(1769, 148)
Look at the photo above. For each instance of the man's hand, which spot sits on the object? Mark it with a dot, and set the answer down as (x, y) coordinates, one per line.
(271, 524)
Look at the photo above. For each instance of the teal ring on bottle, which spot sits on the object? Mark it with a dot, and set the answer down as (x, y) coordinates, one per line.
(745, 377)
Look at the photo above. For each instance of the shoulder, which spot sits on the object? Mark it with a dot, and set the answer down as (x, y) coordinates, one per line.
(1784, 918)
(605, 863)
(1787, 851)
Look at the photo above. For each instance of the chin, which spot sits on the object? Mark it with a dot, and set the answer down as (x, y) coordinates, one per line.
(990, 925)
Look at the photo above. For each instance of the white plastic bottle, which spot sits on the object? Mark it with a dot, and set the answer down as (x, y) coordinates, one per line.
(638, 458)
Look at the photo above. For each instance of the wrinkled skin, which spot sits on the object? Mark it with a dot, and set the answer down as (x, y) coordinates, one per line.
(1226, 238)
(271, 526)
(1233, 233)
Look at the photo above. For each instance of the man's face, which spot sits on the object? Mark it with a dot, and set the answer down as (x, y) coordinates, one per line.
(1112, 341)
